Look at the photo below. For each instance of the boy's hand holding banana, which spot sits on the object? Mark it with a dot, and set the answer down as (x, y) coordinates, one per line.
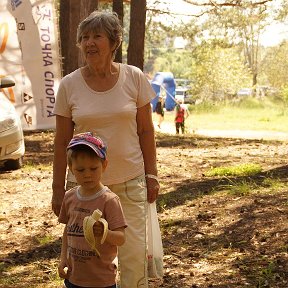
(95, 230)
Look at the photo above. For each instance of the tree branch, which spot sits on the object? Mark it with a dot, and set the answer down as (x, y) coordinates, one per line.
(212, 4)
(236, 3)
(157, 11)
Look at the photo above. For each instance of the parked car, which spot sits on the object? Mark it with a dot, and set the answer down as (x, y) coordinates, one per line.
(12, 147)
(182, 93)
(183, 82)
(245, 92)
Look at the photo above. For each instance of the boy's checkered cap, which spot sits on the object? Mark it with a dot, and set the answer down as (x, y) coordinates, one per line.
(94, 142)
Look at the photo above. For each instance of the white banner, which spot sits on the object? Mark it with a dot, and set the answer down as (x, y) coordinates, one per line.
(29, 54)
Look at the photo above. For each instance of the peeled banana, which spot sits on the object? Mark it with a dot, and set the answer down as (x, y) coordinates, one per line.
(88, 224)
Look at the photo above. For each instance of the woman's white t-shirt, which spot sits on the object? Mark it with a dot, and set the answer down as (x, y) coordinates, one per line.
(111, 115)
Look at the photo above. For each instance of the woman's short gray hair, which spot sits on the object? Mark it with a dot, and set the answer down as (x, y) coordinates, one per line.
(99, 21)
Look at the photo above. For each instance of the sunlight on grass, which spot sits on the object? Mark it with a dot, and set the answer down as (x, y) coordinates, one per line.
(30, 166)
(45, 239)
(249, 115)
(241, 118)
(239, 170)
(241, 189)
(237, 188)
(249, 186)
(273, 184)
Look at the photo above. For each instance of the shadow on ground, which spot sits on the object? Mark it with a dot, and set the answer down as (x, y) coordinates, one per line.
(191, 189)
(222, 241)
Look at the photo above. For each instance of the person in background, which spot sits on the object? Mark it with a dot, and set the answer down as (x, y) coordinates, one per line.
(182, 113)
(86, 157)
(159, 109)
(111, 100)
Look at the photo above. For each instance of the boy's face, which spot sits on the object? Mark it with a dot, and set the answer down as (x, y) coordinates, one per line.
(88, 171)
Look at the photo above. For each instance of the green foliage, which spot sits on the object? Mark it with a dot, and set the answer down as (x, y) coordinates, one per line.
(223, 52)
(177, 62)
(282, 13)
(275, 65)
(159, 41)
(284, 95)
(217, 69)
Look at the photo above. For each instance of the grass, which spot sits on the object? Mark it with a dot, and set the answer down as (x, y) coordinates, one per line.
(30, 166)
(267, 274)
(248, 187)
(242, 119)
(237, 188)
(248, 169)
(45, 240)
(247, 115)
(273, 184)
(243, 187)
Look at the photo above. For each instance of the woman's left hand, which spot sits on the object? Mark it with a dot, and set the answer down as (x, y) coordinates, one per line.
(153, 188)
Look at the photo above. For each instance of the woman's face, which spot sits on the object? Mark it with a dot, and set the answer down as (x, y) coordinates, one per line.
(96, 47)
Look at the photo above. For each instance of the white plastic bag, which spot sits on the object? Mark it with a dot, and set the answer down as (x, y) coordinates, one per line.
(155, 248)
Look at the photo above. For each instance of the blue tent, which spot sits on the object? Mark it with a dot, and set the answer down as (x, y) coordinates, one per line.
(165, 79)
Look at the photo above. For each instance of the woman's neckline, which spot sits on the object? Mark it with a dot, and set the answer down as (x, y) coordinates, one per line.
(94, 83)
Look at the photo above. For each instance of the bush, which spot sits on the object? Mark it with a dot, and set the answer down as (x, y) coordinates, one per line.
(284, 95)
(205, 107)
(251, 103)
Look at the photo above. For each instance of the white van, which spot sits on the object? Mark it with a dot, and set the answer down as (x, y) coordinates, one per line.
(12, 147)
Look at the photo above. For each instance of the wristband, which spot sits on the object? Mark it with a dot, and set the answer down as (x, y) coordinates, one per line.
(152, 176)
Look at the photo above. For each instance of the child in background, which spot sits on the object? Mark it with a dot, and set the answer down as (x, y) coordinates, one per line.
(159, 109)
(181, 113)
(80, 265)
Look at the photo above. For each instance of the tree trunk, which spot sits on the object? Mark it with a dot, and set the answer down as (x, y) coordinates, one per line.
(71, 13)
(64, 34)
(86, 7)
(135, 54)
(118, 8)
(69, 19)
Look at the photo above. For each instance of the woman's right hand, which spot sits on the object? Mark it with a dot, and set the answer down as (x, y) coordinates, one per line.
(57, 199)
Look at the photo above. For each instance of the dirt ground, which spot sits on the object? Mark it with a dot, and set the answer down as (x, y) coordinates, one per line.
(211, 236)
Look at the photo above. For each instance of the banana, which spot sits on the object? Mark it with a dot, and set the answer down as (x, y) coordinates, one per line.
(88, 223)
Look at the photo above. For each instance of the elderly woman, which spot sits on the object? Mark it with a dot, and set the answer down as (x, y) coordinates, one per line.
(111, 100)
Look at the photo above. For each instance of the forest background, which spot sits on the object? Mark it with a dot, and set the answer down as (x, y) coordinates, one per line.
(220, 47)
(224, 204)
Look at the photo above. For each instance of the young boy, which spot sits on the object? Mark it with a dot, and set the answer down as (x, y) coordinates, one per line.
(181, 113)
(81, 265)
